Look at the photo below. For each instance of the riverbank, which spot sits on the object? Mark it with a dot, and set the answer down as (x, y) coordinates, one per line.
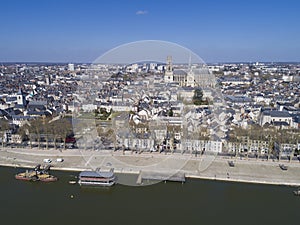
(197, 167)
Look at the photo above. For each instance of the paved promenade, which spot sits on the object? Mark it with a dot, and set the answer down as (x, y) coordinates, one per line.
(204, 167)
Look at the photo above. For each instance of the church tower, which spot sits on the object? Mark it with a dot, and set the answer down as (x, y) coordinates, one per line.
(169, 70)
(190, 79)
(21, 98)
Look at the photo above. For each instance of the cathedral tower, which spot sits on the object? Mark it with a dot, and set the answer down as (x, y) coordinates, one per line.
(169, 70)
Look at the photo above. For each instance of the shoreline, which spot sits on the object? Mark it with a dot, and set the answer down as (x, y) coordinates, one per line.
(247, 181)
(187, 176)
(245, 171)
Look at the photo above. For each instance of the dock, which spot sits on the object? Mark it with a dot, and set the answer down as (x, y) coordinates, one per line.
(157, 176)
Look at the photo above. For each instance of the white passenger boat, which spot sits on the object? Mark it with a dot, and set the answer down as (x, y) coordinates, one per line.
(97, 178)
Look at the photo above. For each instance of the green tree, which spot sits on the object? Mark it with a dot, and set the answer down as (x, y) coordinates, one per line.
(170, 113)
(197, 98)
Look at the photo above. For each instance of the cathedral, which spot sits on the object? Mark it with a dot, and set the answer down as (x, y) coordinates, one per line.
(193, 76)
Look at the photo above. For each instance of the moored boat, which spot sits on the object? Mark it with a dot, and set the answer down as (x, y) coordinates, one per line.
(47, 178)
(27, 176)
(72, 181)
(37, 174)
(97, 178)
(297, 192)
(44, 175)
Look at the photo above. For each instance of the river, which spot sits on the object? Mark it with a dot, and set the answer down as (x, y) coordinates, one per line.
(194, 202)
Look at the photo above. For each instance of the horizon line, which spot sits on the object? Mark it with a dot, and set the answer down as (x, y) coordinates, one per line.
(67, 62)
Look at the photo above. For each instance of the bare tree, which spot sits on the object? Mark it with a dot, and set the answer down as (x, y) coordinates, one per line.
(4, 126)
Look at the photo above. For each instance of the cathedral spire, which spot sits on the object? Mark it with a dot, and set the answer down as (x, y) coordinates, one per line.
(190, 75)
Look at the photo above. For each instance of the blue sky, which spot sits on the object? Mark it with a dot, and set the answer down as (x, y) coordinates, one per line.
(218, 31)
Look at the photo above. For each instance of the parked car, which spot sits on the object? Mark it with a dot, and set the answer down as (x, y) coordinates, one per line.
(47, 160)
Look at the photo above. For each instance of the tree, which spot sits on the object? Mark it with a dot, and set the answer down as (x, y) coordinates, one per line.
(35, 131)
(42, 128)
(197, 98)
(62, 128)
(24, 132)
(4, 125)
(170, 113)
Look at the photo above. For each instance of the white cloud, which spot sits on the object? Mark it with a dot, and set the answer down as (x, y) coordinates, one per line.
(141, 12)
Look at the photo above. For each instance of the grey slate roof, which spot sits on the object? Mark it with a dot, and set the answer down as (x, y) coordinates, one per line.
(276, 113)
(179, 72)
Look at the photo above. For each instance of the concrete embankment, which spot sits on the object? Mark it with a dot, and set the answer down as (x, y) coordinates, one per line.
(155, 164)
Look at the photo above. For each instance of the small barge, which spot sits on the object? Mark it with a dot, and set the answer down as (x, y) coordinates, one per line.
(72, 182)
(37, 174)
(27, 176)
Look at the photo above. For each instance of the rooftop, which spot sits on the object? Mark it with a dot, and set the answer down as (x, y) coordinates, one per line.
(96, 174)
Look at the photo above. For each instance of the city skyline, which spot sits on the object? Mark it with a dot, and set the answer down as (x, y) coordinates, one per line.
(76, 31)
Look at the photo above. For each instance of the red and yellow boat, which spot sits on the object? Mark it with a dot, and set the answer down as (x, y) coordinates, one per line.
(27, 176)
(37, 174)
